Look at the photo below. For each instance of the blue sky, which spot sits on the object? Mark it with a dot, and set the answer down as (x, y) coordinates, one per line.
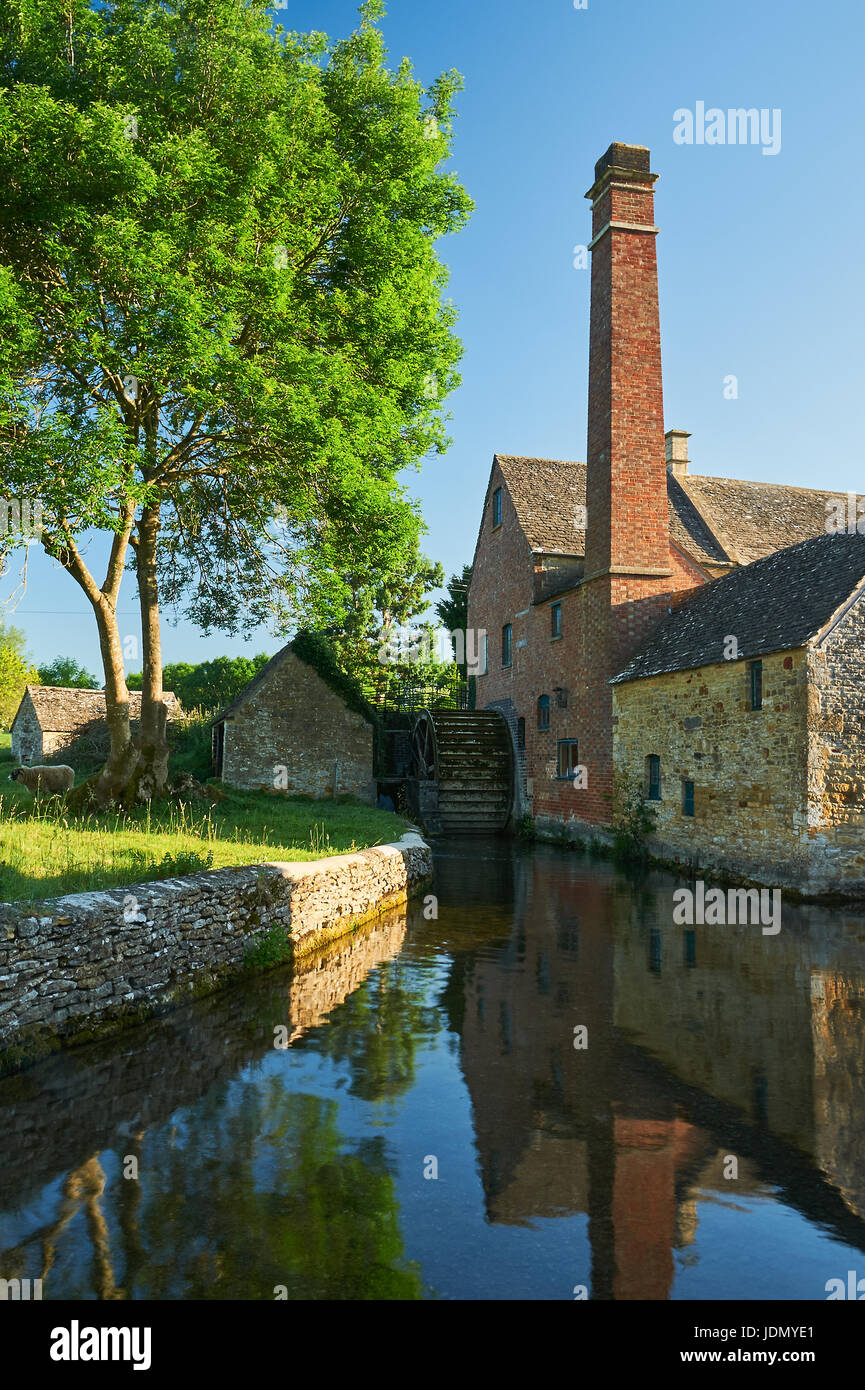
(761, 269)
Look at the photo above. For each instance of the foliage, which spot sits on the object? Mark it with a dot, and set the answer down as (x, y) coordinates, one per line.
(66, 671)
(270, 949)
(207, 685)
(633, 818)
(16, 672)
(454, 610)
(190, 739)
(318, 652)
(46, 851)
(223, 331)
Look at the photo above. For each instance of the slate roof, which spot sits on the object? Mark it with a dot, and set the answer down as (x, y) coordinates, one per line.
(546, 494)
(770, 605)
(751, 520)
(61, 710)
(718, 521)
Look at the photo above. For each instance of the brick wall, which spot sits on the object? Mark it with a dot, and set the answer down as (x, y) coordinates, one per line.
(293, 720)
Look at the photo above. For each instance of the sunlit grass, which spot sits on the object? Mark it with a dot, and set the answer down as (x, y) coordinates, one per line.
(45, 851)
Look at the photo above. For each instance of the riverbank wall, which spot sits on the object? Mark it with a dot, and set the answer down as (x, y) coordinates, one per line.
(78, 967)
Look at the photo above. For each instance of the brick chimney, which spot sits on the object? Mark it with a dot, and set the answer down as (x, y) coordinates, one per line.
(626, 489)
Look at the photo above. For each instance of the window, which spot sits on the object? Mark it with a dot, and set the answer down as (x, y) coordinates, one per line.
(756, 672)
(555, 620)
(653, 769)
(687, 798)
(521, 733)
(569, 758)
(497, 507)
(507, 644)
(544, 712)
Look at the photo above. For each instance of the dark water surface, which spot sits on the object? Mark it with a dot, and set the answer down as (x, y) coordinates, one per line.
(448, 1045)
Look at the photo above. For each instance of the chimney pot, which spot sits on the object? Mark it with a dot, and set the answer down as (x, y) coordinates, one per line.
(676, 443)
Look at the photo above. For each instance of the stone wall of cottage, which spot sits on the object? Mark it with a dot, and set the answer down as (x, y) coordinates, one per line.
(294, 721)
(70, 966)
(26, 742)
(749, 767)
(836, 751)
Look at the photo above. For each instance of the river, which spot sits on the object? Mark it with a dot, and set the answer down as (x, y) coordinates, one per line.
(547, 1091)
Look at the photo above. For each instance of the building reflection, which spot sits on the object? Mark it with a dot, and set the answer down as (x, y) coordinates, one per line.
(705, 1045)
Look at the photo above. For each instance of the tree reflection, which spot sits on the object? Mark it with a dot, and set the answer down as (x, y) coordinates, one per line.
(260, 1192)
(376, 1032)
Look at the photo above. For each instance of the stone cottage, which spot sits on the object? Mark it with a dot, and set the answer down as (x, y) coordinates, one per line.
(581, 569)
(54, 722)
(291, 730)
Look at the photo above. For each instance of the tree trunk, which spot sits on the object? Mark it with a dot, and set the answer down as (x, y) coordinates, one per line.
(152, 771)
(110, 785)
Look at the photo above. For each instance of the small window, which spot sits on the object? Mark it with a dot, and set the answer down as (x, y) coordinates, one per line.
(654, 777)
(521, 734)
(687, 798)
(497, 507)
(556, 620)
(544, 712)
(507, 644)
(756, 672)
(569, 757)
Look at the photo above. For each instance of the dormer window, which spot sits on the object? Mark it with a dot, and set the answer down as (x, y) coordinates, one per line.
(497, 507)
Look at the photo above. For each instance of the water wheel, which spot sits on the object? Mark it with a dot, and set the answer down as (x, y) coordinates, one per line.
(468, 754)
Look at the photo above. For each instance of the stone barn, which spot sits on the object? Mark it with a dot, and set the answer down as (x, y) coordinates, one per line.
(54, 722)
(294, 729)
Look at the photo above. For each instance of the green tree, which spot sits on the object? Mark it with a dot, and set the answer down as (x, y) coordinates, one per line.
(454, 610)
(16, 672)
(221, 314)
(66, 671)
(207, 685)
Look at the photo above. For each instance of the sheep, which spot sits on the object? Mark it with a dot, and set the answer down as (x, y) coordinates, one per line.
(45, 780)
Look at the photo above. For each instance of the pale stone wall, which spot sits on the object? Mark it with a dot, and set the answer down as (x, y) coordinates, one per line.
(26, 743)
(749, 767)
(836, 750)
(70, 965)
(293, 720)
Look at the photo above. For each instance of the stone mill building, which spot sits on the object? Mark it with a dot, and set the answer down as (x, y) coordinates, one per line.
(700, 637)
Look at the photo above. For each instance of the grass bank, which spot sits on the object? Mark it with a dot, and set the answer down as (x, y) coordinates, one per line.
(45, 852)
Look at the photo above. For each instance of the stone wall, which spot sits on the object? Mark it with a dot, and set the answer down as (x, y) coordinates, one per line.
(26, 742)
(75, 966)
(293, 720)
(836, 751)
(748, 766)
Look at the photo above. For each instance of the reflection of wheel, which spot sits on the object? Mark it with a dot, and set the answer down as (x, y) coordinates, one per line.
(468, 753)
(423, 747)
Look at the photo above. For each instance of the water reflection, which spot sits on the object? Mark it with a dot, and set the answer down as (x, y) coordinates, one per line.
(707, 1142)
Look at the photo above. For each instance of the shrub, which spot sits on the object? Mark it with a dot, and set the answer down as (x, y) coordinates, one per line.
(633, 818)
